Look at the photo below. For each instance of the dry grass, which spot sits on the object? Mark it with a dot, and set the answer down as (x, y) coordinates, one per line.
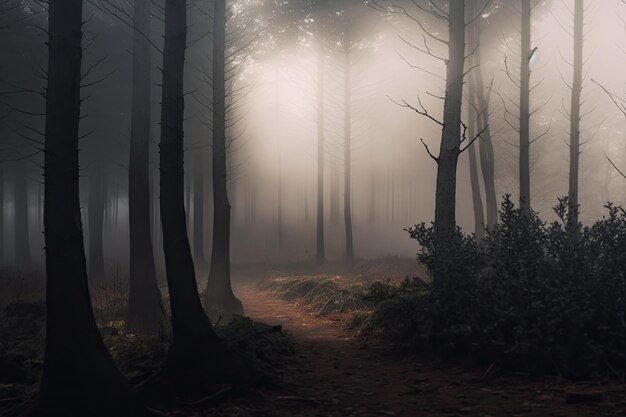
(322, 294)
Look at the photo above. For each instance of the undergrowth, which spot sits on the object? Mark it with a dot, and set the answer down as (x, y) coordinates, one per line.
(531, 296)
(321, 294)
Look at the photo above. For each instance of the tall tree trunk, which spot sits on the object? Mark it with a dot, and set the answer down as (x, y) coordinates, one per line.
(279, 157)
(320, 255)
(79, 376)
(219, 296)
(445, 201)
(577, 86)
(485, 143)
(188, 206)
(145, 306)
(392, 185)
(198, 211)
(524, 117)
(372, 205)
(22, 235)
(334, 191)
(96, 224)
(347, 197)
(450, 148)
(307, 214)
(472, 103)
(479, 215)
(196, 357)
(2, 215)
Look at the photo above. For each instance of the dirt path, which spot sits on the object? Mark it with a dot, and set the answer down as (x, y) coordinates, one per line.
(337, 375)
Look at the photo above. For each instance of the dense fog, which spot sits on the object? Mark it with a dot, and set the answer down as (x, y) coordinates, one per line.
(273, 117)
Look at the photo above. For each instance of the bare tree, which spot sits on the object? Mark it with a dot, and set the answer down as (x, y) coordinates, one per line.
(219, 294)
(22, 235)
(321, 62)
(479, 214)
(524, 109)
(145, 306)
(480, 103)
(95, 215)
(196, 358)
(347, 197)
(79, 376)
(575, 114)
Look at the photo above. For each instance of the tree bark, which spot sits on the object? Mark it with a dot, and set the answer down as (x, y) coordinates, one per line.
(479, 214)
(188, 204)
(485, 143)
(96, 224)
(577, 86)
(219, 296)
(22, 236)
(198, 212)
(2, 215)
(524, 117)
(334, 191)
(320, 252)
(347, 197)
(472, 105)
(372, 202)
(145, 306)
(445, 201)
(196, 357)
(79, 376)
(279, 167)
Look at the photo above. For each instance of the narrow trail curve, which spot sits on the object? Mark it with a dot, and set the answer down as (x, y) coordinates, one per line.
(335, 374)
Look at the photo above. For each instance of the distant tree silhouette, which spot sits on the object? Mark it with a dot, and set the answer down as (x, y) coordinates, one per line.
(145, 306)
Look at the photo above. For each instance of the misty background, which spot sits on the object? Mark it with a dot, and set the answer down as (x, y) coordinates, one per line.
(273, 129)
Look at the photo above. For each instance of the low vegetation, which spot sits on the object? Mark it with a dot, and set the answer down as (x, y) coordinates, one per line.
(22, 335)
(532, 296)
(321, 294)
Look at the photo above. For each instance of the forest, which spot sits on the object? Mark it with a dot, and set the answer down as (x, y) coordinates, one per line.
(307, 208)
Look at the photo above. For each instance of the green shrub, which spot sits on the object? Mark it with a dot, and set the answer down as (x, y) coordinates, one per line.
(530, 296)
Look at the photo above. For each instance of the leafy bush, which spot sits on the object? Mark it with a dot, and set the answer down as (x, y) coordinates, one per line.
(530, 296)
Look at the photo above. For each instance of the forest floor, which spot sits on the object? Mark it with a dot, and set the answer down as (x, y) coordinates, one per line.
(337, 374)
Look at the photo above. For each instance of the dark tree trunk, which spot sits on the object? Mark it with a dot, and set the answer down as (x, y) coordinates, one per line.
(145, 306)
(188, 206)
(22, 236)
(445, 204)
(320, 255)
(372, 203)
(219, 296)
(485, 144)
(347, 197)
(196, 357)
(2, 215)
(577, 86)
(479, 215)
(334, 191)
(388, 195)
(95, 215)
(156, 213)
(198, 212)
(524, 118)
(307, 214)
(473, 122)
(279, 167)
(79, 376)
